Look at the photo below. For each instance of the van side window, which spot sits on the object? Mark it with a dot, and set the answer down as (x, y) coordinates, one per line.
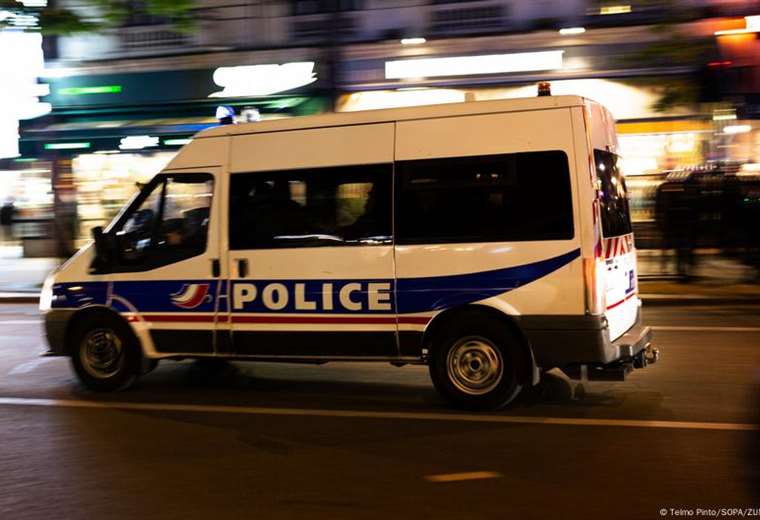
(347, 205)
(494, 198)
(168, 222)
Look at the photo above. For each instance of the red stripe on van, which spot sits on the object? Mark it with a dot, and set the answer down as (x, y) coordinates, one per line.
(621, 302)
(179, 318)
(314, 319)
(361, 320)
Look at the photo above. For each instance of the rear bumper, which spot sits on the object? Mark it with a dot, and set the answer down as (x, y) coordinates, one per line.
(559, 341)
(633, 342)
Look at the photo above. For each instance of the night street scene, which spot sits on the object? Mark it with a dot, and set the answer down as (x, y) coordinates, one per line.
(379, 259)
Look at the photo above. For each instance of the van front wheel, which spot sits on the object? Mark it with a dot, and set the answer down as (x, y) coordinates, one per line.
(105, 355)
(475, 365)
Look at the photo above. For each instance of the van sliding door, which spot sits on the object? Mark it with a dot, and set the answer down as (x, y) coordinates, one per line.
(311, 255)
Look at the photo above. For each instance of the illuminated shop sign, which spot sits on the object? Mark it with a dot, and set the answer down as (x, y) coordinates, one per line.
(67, 146)
(19, 89)
(177, 142)
(82, 91)
(138, 142)
(263, 80)
(471, 65)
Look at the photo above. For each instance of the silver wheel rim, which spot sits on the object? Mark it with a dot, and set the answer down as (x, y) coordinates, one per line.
(101, 353)
(475, 365)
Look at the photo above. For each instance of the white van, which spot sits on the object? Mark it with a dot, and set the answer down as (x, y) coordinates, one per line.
(488, 240)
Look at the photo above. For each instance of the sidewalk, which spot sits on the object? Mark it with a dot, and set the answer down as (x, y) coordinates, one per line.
(22, 276)
(718, 280)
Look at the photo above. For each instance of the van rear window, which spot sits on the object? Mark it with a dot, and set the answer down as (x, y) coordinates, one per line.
(613, 195)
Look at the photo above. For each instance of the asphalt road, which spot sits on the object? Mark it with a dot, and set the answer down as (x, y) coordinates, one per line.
(373, 441)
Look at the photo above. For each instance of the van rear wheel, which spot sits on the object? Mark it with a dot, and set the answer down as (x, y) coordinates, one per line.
(105, 354)
(475, 364)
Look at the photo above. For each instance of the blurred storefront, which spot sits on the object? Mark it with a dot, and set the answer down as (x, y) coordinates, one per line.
(107, 133)
(104, 181)
(608, 67)
(26, 189)
(115, 124)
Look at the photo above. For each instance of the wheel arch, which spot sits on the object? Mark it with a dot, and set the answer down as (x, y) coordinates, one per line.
(528, 370)
(92, 312)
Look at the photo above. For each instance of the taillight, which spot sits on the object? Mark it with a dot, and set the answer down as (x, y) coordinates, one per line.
(593, 275)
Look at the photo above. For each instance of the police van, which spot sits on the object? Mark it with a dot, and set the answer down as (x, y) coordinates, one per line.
(488, 240)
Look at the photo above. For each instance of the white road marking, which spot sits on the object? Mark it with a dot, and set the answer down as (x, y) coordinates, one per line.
(29, 366)
(456, 477)
(20, 322)
(673, 328)
(360, 414)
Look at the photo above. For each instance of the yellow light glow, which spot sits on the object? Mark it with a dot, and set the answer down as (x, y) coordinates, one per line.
(751, 25)
(615, 9)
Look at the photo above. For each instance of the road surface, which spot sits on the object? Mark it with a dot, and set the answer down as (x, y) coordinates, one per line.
(361, 441)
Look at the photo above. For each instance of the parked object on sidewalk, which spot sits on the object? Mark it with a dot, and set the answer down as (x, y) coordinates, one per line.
(677, 214)
(7, 214)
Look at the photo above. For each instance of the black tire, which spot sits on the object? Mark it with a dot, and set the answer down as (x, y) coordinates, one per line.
(476, 363)
(105, 353)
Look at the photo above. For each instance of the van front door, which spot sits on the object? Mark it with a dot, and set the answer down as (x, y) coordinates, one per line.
(311, 263)
(166, 275)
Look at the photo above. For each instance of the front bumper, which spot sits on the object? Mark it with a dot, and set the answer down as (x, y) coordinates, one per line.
(56, 324)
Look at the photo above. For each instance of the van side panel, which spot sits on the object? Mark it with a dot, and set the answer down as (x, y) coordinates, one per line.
(201, 153)
(313, 148)
(550, 279)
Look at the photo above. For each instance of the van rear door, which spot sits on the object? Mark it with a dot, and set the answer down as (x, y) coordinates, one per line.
(620, 279)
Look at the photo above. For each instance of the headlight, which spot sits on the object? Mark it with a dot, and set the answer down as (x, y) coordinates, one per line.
(46, 296)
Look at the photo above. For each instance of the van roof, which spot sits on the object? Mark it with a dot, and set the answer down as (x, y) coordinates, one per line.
(397, 114)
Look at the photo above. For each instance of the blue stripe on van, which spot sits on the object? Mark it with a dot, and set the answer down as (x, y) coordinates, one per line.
(443, 292)
(414, 295)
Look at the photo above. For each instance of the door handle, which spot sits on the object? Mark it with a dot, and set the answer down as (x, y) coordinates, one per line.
(216, 268)
(242, 267)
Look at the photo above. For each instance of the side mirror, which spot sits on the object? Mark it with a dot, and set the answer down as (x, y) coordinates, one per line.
(102, 249)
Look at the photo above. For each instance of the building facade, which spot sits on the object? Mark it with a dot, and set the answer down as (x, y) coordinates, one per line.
(124, 100)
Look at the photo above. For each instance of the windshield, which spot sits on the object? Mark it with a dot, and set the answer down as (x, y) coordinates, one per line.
(613, 196)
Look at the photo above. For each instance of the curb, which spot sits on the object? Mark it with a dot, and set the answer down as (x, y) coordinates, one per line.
(697, 299)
